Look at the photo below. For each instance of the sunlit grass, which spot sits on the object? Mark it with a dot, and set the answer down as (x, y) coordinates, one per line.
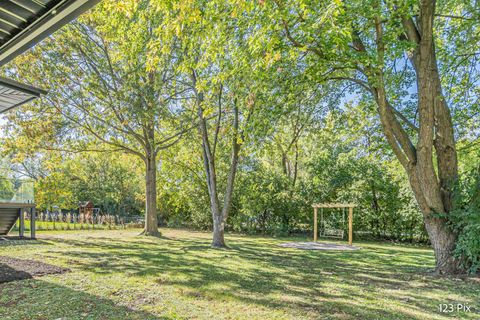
(119, 275)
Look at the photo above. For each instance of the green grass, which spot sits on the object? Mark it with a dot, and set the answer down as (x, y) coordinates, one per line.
(119, 275)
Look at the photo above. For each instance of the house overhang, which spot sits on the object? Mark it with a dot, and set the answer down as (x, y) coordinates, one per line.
(23, 23)
(14, 94)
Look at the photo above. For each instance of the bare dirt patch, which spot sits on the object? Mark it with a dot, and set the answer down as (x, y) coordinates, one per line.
(12, 269)
(318, 246)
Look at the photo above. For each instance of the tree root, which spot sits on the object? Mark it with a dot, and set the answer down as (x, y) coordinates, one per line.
(156, 234)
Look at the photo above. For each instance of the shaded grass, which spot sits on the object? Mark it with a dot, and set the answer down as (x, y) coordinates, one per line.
(179, 276)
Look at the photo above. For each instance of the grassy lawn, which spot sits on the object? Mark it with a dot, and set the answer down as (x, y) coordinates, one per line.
(119, 275)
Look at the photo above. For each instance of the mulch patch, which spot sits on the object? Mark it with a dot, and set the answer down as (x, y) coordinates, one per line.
(318, 246)
(12, 269)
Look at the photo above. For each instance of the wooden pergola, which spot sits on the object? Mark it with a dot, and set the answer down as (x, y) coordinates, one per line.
(350, 207)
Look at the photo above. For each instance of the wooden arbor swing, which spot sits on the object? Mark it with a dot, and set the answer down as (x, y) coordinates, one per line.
(343, 206)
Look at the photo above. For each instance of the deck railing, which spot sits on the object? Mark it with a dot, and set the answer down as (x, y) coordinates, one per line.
(16, 191)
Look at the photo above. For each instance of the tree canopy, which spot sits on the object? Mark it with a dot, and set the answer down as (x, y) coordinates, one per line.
(244, 113)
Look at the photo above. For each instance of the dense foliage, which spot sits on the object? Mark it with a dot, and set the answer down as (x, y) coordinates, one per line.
(244, 113)
(330, 164)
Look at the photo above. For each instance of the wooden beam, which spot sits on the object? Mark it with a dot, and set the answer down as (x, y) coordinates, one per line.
(350, 225)
(334, 205)
(315, 227)
(16, 205)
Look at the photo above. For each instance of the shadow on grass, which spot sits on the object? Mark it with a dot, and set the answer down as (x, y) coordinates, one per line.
(257, 271)
(36, 299)
(10, 274)
(9, 241)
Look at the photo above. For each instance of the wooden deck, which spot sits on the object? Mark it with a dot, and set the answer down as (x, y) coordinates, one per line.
(16, 205)
(10, 212)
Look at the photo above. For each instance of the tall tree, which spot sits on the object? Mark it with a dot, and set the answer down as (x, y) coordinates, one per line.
(224, 84)
(389, 49)
(110, 97)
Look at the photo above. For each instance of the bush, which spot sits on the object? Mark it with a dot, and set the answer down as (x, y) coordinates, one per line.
(466, 220)
(468, 243)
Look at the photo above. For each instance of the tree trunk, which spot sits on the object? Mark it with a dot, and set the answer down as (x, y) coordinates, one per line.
(443, 241)
(442, 238)
(432, 185)
(436, 132)
(220, 216)
(151, 220)
(218, 240)
(219, 211)
(295, 167)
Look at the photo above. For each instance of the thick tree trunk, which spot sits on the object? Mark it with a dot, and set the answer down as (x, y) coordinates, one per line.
(151, 220)
(436, 137)
(432, 185)
(443, 241)
(442, 238)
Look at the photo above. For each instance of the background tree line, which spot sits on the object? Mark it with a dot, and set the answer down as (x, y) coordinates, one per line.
(244, 113)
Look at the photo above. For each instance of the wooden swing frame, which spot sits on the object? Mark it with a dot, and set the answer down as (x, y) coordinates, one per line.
(333, 206)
